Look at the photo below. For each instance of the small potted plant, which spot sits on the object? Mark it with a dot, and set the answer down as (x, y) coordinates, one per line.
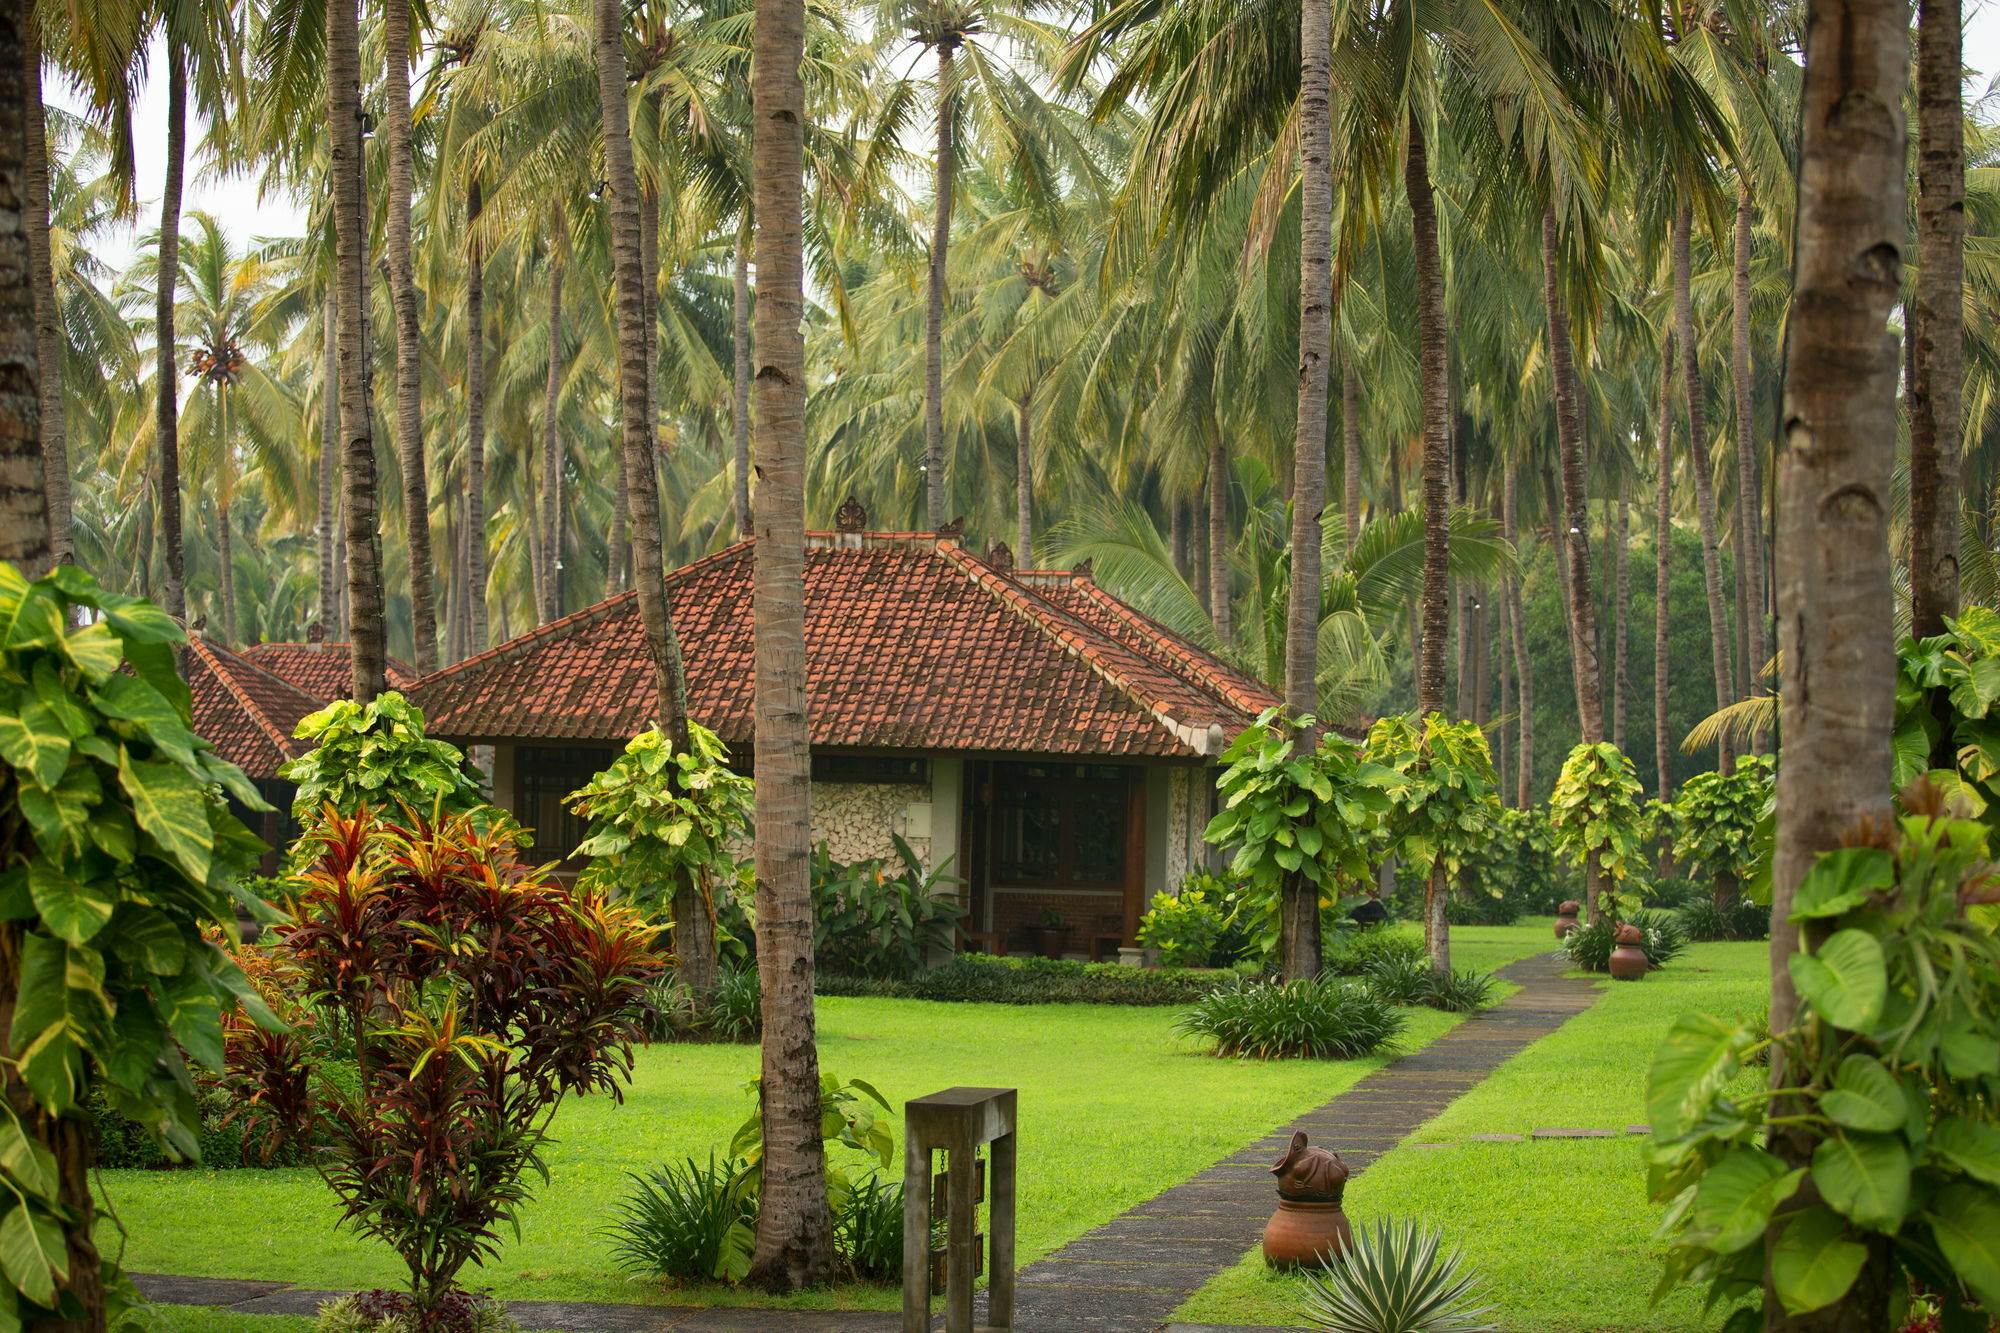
(1055, 933)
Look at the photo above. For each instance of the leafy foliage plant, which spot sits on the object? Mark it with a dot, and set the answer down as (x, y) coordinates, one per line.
(875, 919)
(376, 754)
(1316, 1018)
(1441, 806)
(657, 814)
(1717, 821)
(1595, 819)
(1186, 927)
(1396, 1278)
(1881, 1149)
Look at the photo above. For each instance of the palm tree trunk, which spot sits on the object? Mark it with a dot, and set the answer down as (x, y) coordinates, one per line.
(1835, 598)
(24, 518)
(1621, 680)
(1432, 373)
(1574, 523)
(48, 325)
(794, 1226)
(474, 591)
(357, 430)
(739, 416)
(547, 577)
(1218, 531)
(409, 336)
(225, 494)
(1663, 533)
(947, 149)
(329, 466)
(1517, 630)
(166, 419)
(1698, 463)
(1749, 476)
(1350, 443)
(1937, 318)
(1024, 478)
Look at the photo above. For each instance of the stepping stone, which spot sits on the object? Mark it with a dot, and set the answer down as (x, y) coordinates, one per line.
(1497, 1138)
(1572, 1134)
(1229, 1328)
(1149, 1277)
(291, 1300)
(1638, 1129)
(593, 1317)
(791, 1321)
(202, 1290)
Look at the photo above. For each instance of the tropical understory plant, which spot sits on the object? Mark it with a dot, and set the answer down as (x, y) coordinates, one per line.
(1314, 1018)
(882, 919)
(1395, 1277)
(1876, 1161)
(1595, 818)
(376, 755)
(1718, 824)
(469, 994)
(1440, 809)
(117, 854)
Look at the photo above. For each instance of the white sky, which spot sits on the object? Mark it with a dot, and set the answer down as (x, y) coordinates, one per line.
(247, 218)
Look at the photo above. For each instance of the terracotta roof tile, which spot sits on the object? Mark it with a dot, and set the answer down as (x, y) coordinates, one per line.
(244, 711)
(323, 670)
(911, 643)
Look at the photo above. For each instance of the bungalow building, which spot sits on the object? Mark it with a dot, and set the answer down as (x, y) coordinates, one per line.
(1023, 729)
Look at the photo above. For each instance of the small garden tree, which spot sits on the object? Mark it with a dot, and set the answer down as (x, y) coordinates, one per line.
(1715, 819)
(472, 993)
(1301, 820)
(661, 819)
(376, 754)
(1440, 810)
(117, 852)
(1594, 815)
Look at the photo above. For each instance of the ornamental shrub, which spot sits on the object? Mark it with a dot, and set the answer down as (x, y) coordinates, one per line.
(1513, 871)
(1315, 1018)
(1595, 820)
(472, 993)
(376, 754)
(1589, 946)
(978, 978)
(1395, 1278)
(117, 854)
(1717, 821)
(1444, 804)
(657, 816)
(381, 1311)
(1185, 927)
(882, 919)
(1352, 951)
(1412, 980)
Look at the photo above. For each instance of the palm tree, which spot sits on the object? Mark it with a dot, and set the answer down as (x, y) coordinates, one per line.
(794, 1246)
(475, 420)
(1836, 609)
(48, 329)
(1937, 324)
(24, 525)
(409, 336)
(1663, 526)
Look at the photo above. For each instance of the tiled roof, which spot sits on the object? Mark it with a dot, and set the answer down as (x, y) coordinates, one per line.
(323, 670)
(244, 711)
(911, 643)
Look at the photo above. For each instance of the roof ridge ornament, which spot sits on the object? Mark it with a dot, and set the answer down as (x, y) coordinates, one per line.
(850, 517)
(1081, 569)
(952, 531)
(1001, 557)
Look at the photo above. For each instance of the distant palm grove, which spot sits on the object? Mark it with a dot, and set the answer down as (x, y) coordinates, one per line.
(1053, 261)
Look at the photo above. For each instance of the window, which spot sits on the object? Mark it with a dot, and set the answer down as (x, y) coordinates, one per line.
(1060, 825)
(895, 769)
(543, 775)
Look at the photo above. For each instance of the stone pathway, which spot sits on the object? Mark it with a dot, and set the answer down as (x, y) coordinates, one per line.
(1130, 1274)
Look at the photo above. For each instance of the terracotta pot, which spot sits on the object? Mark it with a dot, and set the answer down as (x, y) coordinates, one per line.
(1628, 960)
(1054, 939)
(1566, 918)
(1302, 1232)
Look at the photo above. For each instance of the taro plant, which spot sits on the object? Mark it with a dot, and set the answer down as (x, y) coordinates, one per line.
(471, 994)
(1396, 1278)
(1872, 1165)
(1301, 818)
(1595, 818)
(117, 853)
(662, 823)
(1441, 808)
(376, 755)
(1716, 820)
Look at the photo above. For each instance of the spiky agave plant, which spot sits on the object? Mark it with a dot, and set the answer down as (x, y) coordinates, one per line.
(1393, 1279)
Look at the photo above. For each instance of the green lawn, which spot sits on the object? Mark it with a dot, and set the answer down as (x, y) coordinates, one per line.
(1562, 1231)
(1114, 1108)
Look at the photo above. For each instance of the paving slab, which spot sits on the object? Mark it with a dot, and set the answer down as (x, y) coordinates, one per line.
(291, 1300)
(791, 1321)
(602, 1317)
(170, 1290)
(1572, 1133)
(1497, 1138)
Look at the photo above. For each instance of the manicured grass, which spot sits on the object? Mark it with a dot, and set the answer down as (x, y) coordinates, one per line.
(1561, 1230)
(1114, 1108)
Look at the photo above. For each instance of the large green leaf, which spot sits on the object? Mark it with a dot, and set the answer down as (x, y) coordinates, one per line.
(171, 807)
(35, 741)
(71, 910)
(147, 939)
(1738, 1195)
(29, 617)
(1866, 1176)
(27, 1161)
(32, 1253)
(1841, 881)
(1865, 1096)
(1700, 1055)
(1814, 1263)
(61, 1004)
(1965, 1219)
(95, 650)
(1973, 1146)
(1845, 980)
(132, 700)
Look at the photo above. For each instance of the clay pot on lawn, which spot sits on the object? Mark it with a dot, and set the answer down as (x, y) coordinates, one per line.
(1628, 960)
(1566, 918)
(1309, 1226)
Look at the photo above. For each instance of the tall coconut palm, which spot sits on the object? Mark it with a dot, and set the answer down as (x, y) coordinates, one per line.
(1699, 466)
(48, 330)
(1937, 323)
(24, 524)
(1836, 610)
(794, 1245)
(475, 421)
(409, 335)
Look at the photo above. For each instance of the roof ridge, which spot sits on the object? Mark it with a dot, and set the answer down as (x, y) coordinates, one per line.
(1185, 650)
(1074, 639)
(208, 652)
